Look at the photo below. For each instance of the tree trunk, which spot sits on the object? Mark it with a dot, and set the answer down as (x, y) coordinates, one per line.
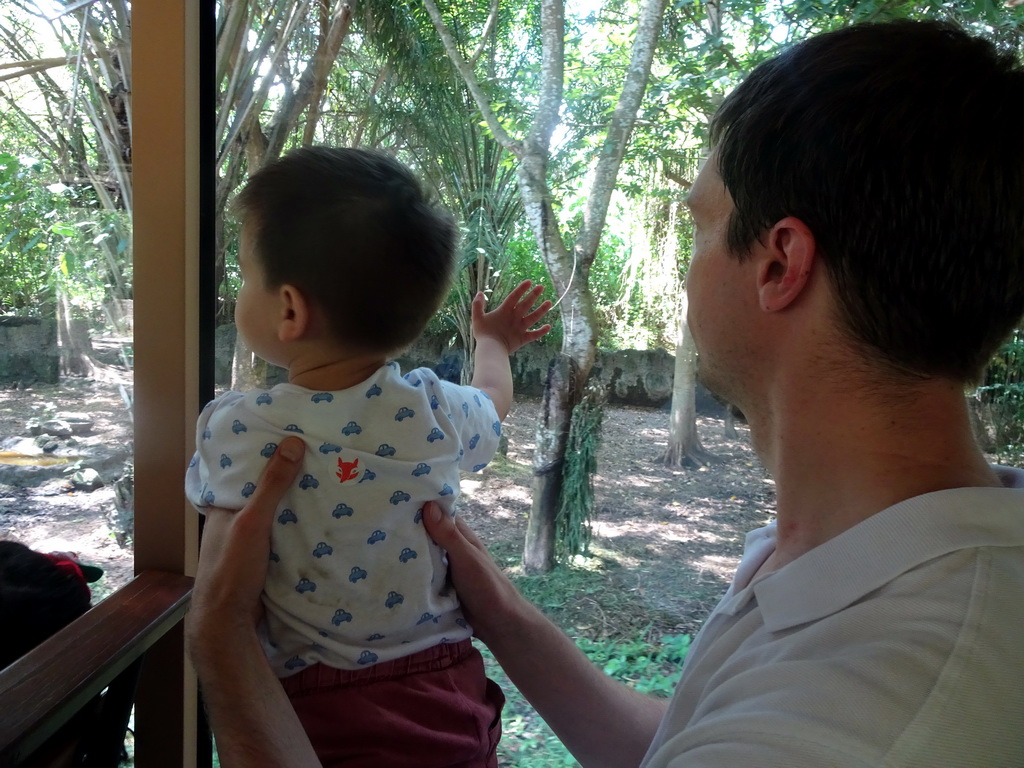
(247, 370)
(73, 341)
(729, 429)
(548, 460)
(684, 447)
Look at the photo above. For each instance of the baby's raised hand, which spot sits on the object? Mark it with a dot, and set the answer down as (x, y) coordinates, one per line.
(511, 321)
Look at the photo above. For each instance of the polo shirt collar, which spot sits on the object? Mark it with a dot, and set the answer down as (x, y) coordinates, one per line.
(844, 569)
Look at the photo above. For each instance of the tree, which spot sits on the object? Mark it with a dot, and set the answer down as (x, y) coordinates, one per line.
(83, 133)
(567, 267)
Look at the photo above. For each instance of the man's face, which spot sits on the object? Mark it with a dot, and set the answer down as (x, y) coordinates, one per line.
(721, 291)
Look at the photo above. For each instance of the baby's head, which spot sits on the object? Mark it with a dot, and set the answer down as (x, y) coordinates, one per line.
(353, 231)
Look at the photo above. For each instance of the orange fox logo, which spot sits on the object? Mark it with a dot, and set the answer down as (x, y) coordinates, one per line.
(349, 470)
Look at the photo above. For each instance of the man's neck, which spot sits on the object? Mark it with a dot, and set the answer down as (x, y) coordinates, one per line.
(840, 456)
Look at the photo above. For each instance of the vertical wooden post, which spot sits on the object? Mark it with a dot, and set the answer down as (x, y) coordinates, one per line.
(165, 87)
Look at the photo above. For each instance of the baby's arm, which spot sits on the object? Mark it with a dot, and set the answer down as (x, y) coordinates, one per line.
(500, 333)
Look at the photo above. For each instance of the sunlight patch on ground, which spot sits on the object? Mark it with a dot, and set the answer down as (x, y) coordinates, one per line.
(723, 567)
(663, 530)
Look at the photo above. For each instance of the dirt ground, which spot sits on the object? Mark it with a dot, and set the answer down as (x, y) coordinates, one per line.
(665, 539)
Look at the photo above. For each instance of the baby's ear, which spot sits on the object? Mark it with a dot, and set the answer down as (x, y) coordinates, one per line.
(295, 319)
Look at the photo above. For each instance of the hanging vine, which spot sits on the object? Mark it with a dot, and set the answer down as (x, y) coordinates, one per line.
(573, 525)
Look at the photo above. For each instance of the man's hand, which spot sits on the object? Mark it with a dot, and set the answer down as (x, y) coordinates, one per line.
(253, 721)
(613, 726)
(511, 321)
(489, 600)
(234, 555)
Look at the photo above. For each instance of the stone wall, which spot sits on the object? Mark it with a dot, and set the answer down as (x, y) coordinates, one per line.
(28, 351)
(629, 376)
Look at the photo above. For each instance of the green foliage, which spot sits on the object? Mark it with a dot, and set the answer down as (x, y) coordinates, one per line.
(576, 502)
(652, 668)
(648, 668)
(1001, 397)
(55, 239)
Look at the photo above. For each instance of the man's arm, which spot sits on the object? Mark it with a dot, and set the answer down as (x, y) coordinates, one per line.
(252, 719)
(601, 721)
(500, 333)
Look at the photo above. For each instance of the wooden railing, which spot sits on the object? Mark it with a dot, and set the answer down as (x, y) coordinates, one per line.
(58, 684)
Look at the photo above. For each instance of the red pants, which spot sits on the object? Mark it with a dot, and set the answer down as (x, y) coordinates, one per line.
(433, 709)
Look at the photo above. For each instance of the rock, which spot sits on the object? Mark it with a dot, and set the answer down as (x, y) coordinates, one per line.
(34, 427)
(28, 351)
(86, 479)
(80, 423)
(57, 428)
(121, 519)
(47, 444)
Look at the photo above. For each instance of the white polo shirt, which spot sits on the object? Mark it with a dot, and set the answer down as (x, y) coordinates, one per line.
(898, 643)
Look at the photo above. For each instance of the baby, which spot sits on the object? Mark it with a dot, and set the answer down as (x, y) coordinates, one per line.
(343, 263)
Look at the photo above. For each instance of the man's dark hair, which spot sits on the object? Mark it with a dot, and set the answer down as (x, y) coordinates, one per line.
(353, 230)
(37, 598)
(899, 145)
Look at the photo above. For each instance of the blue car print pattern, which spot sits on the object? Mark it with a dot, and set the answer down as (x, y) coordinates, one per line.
(264, 399)
(342, 510)
(238, 427)
(248, 489)
(393, 599)
(376, 536)
(421, 469)
(322, 397)
(287, 516)
(225, 461)
(305, 585)
(268, 450)
(435, 434)
(340, 616)
(323, 549)
(367, 657)
(356, 574)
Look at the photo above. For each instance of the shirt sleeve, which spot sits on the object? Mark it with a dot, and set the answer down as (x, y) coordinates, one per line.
(198, 475)
(474, 417)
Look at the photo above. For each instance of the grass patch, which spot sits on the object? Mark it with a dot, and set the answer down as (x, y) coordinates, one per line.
(528, 742)
(609, 623)
(509, 469)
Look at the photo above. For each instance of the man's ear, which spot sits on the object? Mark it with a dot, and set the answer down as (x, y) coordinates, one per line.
(295, 318)
(788, 259)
